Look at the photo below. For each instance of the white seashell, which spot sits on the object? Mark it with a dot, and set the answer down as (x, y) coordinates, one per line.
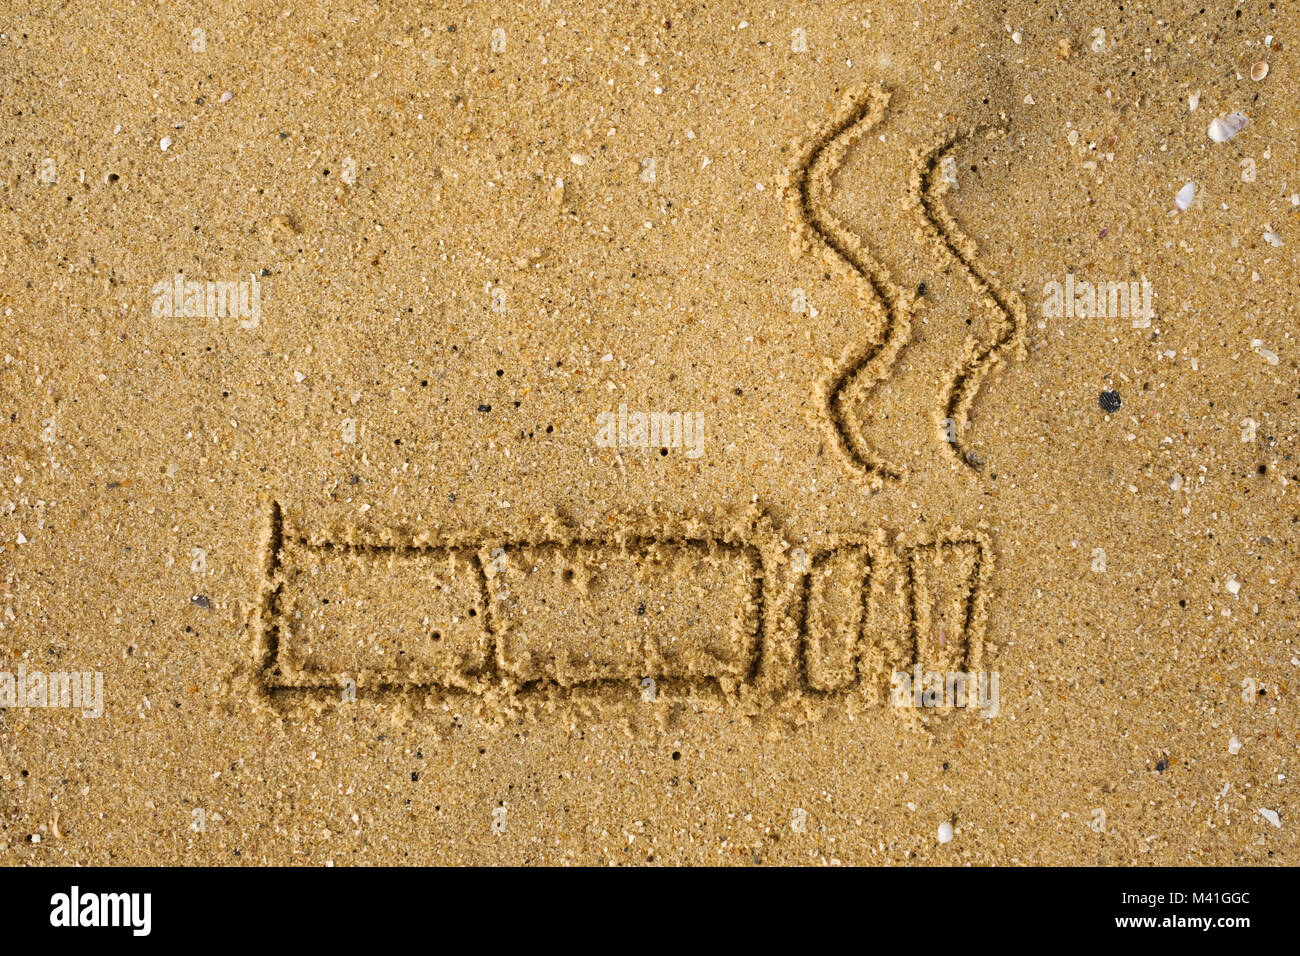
(1223, 128)
(945, 832)
(1185, 196)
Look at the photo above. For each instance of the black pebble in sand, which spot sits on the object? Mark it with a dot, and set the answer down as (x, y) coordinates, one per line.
(1110, 401)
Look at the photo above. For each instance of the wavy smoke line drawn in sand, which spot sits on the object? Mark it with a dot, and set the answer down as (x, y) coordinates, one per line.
(721, 612)
(865, 365)
(976, 360)
(810, 179)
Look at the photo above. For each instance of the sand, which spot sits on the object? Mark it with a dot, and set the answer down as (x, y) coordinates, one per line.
(581, 434)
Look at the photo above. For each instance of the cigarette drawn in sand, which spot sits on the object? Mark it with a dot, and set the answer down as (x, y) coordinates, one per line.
(706, 613)
(697, 611)
(865, 365)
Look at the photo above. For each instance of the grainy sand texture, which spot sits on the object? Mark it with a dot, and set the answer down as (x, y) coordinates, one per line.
(699, 433)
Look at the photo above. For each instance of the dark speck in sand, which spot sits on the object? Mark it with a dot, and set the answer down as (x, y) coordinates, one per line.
(1110, 401)
(485, 408)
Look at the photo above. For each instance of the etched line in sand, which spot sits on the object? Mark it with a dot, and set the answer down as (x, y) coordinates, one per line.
(808, 186)
(697, 617)
(412, 615)
(947, 588)
(672, 610)
(523, 615)
(958, 393)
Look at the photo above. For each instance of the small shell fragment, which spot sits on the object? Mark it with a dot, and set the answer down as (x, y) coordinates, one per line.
(226, 97)
(1271, 816)
(1185, 196)
(1259, 71)
(1267, 355)
(1223, 128)
(945, 832)
(164, 143)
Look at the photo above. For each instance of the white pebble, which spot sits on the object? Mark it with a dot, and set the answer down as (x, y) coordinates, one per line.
(226, 97)
(1271, 817)
(1194, 101)
(1234, 586)
(1272, 238)
(578, 159)
(945, 832)
(1267, 355)
(1185, 196)
(1223, 128)
(1234, 746)
(165, 142)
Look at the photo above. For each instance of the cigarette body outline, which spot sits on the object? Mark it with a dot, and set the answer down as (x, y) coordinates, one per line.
(687, 614)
